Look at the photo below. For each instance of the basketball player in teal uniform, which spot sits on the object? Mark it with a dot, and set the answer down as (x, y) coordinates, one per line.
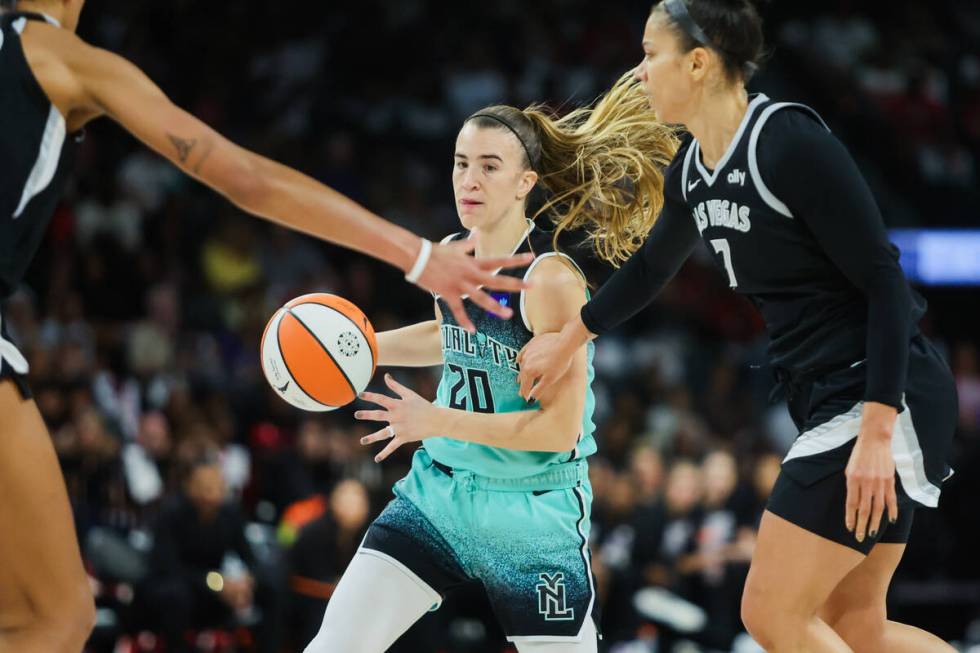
(499, 492)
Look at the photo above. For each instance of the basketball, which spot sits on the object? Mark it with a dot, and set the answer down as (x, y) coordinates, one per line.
(318, 352)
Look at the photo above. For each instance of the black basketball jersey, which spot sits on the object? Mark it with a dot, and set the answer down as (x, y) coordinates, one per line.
(816, 318)
(36, 152)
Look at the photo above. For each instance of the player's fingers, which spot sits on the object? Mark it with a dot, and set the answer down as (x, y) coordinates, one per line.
(388, 450)
(864, 510)
(456, 306)
(540, 388)
(526, 380)
(372, 415)
(520, 360)
(891, 500)
(489, 304)
(402, 390)
(528, 377)
(877, 508)
(377, 436)
(851, 503)
(377, 398)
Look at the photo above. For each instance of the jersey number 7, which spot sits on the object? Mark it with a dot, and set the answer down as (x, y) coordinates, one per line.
(721, 247)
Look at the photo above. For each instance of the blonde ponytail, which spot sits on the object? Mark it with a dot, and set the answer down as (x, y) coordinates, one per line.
(603, 166)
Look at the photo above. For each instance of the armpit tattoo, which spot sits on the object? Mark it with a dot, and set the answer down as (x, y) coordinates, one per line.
(183, 145)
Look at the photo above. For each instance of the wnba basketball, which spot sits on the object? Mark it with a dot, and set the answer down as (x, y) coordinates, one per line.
(318, 352)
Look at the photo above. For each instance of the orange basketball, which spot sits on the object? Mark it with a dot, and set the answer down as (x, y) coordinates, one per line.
(319, 351)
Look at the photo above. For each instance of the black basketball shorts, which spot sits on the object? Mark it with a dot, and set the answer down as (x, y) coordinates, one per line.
(811, 489)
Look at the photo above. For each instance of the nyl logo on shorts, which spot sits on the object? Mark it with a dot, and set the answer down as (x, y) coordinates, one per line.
(551, 598)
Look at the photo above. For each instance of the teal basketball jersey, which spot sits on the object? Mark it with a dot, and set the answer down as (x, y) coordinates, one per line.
(480, 375)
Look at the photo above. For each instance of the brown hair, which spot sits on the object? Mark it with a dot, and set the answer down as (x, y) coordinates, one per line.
(733, 29)
(602, 165)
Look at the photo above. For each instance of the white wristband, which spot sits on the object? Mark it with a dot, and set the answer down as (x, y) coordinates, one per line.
(423, 259)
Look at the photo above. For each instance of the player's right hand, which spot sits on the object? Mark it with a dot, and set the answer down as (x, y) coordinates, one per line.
(546, 358)
(870, 475)
(542, 361)
(453, 273)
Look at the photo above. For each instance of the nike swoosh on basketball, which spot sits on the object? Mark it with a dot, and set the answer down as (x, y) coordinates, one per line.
(691, 186)
(283, 388)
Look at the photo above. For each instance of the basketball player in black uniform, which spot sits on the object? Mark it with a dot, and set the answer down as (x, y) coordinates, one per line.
(793, 226)
(52, 85)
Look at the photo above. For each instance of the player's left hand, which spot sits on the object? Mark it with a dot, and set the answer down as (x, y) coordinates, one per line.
(410, 417)
(870, 474)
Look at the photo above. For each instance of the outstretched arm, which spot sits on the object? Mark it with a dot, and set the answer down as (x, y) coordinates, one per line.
(86, 82)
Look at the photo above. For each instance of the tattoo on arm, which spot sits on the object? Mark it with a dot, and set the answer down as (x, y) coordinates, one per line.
(208, 146)
(183, 145)
(186, 145)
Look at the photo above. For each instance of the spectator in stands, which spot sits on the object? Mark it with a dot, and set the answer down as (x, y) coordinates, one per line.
(321, 554)
(89, 454)
(647, 474)
(666, 532)
(725, 541)
(665, 546)
(201, 564)
(308, 468)
(147, 461)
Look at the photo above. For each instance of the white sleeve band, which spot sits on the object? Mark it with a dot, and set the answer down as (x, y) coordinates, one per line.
(423, 259)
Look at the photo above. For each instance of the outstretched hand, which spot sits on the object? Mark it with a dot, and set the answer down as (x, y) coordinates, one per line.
(452, 273)
(410, 418)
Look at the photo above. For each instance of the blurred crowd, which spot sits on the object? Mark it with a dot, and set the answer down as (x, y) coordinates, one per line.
(215, 517)
(905, 84)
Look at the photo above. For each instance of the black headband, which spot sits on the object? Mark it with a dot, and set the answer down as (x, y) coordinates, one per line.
(678, 11)
(527, 150)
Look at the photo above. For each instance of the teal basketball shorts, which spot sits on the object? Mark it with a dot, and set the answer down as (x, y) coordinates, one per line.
(525, 539)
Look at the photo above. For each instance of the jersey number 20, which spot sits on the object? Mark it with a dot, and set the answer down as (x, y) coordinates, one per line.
(721, 247)
(472, 386)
